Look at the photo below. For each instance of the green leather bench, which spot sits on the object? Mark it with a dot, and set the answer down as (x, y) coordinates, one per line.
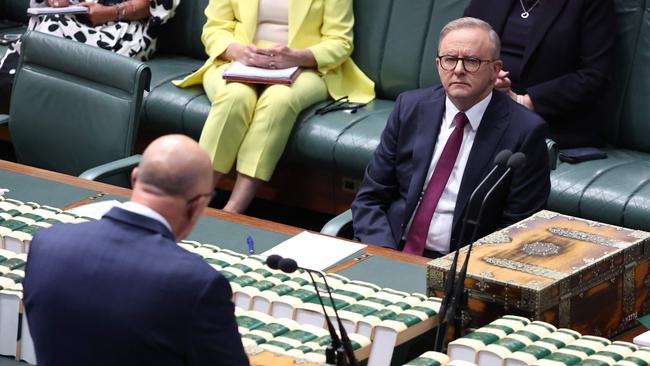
(395, 45)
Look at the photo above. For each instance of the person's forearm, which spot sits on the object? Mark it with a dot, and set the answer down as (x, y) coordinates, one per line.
(232, 53)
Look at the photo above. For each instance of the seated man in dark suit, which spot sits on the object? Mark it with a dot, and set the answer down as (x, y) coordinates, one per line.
(440, 142)
(119, 291)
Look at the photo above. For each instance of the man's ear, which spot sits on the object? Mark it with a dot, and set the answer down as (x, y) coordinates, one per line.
(193, 209)
(134, 176)
(498, 66)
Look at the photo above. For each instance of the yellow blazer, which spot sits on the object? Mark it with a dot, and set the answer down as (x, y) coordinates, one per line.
(323, 26)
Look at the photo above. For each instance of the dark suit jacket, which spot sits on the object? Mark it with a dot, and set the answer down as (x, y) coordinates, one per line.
(119, 291)
(395, 176)
(567, 64)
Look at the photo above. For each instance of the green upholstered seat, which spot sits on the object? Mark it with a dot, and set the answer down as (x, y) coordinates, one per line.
(615, 190)
(180, 51)
(74, 106)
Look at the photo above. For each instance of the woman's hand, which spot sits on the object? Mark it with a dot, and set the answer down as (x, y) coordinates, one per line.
(276, 57)
(522, 99)
(58, 3)
(246, 55)
(99, 14)
(282, 57)
(503, 83)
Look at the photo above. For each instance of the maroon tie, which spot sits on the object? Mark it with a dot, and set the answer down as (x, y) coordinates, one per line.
(417, 235)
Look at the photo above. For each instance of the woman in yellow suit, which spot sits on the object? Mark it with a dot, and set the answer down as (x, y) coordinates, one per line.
(250, 123)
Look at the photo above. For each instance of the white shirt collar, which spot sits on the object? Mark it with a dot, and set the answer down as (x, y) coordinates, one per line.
(145, 211)
(474, 114)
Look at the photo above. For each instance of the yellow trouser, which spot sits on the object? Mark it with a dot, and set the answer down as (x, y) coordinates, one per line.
(251, 123)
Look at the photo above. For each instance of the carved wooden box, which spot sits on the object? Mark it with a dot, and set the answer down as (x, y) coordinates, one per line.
(575, 273)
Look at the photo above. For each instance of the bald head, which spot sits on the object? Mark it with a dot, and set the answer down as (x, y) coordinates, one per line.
(176, 165)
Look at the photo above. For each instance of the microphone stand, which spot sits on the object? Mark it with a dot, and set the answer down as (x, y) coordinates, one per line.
(441, 332)
(347, 345)
(342, 348)
(460, 295)
(334, 353)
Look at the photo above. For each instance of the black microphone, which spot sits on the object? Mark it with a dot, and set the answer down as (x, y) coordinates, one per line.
(343, 346)
(499, 161)
(273, 261)
(516, 161)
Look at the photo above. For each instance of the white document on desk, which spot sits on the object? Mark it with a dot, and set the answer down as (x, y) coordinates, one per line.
(95, 210)
(315, 251)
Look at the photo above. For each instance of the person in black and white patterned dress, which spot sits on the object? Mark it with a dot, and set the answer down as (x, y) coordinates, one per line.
(126, 27)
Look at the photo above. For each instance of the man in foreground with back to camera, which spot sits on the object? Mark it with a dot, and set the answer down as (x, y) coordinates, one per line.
(440, 142)
(119, 291)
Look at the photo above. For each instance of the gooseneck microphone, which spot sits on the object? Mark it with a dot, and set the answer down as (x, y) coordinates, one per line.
(289, 265)
(339, 352)
(516, 161)
(500, 161)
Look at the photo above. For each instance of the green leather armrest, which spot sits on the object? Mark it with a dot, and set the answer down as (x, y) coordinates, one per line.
(112, 168)
(4, 119)
(339, 224)
(553, 151)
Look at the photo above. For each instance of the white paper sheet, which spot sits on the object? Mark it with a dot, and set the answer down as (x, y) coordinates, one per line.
(96, 209)
(62, 10)
(315, 251)
(241, 70)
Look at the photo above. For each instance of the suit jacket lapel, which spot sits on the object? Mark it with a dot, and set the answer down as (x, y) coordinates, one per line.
(248, 12)
(298, 10)
(429, 115)
(547, 14)
(492, 127)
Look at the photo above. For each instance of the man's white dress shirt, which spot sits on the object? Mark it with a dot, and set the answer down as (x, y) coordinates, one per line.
(439, 235)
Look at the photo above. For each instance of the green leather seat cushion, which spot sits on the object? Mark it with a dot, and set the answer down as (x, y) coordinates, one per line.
(167, 105)
(338, 140)
(615, 190)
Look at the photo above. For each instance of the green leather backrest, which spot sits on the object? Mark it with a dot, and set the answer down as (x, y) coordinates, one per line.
(14, 10)
(74, 106)
(628, 123)
(182, 34)
(396, 41)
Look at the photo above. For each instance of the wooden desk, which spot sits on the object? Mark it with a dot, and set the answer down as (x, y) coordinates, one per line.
(101, 190)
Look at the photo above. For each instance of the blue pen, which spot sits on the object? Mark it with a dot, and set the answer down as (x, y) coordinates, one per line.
(251, 244)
